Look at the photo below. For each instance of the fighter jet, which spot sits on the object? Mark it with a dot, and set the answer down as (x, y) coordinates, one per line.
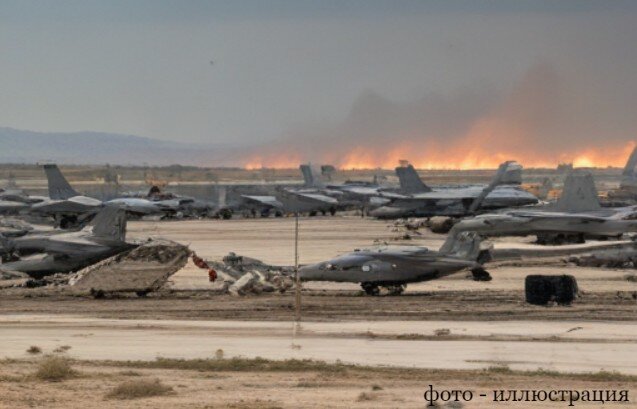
(421, 200)
(70, 208)
(393, 267)
(627, 192)
(65, 205)
(14, 200)
(291, 201)
(576, 215)
(44, 254)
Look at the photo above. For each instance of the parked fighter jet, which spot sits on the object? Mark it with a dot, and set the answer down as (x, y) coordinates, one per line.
(44, 254)
(424, 201)
(576, 215)
(65, 205)
(393, 267)
(69, 208)
(627, 192)
(13, 200)
(350, 193)
(290, 201)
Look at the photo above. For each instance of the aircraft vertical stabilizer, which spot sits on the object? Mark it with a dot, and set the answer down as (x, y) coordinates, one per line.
(410, 182)
(109, 224)
(59, 188)
(579, 193)
(310, 178)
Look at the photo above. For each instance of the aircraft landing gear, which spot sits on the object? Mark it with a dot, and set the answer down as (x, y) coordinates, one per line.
(480, 274)
(370, 289)
(374, 289)
(396, 289)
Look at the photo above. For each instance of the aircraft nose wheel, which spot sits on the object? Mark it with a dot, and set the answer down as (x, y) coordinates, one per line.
(370, 289)
(395, 289)
(480, 274)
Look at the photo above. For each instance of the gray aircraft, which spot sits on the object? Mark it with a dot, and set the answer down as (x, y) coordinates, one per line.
(65, 205)
(420, 200)
(393, 267)
(290, 201)
(368, 194)
(14, 200)
(70, 208)
(576, 215)
(44, 254)
(627, 191)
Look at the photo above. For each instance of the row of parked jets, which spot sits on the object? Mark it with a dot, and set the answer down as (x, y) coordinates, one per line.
(500, 208)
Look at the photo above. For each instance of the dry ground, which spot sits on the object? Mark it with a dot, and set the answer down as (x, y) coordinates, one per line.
(252, 386)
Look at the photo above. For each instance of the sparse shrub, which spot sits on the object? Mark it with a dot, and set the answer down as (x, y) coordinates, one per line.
(219, 354)
(139, 389)
(442, 332)
(366, 396)
(61, 349)
(34, 350)
(130, 373)
(377, 388)
(55, 368)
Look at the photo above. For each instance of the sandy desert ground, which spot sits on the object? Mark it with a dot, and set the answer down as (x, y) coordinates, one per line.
(451, 332)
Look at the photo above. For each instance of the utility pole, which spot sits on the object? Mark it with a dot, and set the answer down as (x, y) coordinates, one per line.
(297, 279)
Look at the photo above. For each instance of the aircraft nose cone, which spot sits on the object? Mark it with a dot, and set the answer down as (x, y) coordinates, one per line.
(310, 272)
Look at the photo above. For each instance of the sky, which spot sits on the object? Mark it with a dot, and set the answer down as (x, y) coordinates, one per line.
(358, 83)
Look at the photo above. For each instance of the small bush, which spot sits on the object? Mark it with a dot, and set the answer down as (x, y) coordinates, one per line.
(365, 396)
(377, 388)
(219, 354)
(34, 350)
(54, 369)
(139, 389)
(61, 349)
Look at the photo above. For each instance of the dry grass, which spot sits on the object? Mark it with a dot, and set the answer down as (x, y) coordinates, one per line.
(137, 389)
(61, 349)
(54, 369)
(366, 396)
(240, 365)
(308, 365)
(34, 350)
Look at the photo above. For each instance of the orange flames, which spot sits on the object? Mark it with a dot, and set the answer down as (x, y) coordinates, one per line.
(461, 155)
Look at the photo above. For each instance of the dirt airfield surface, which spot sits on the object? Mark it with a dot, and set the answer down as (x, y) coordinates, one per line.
(454, 331)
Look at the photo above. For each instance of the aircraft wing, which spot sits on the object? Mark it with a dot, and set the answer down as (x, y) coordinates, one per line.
(264, 200)
(323, 199)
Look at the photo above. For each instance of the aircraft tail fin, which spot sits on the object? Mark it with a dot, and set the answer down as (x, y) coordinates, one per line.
(109, 223)
(579, 193)
(59, 188)
(310, 178)
(628, 175)
(505, 172)
(466, 245)
(513, 173)
(409, 180)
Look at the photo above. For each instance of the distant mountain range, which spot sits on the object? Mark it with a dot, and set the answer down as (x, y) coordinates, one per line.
(19, 146)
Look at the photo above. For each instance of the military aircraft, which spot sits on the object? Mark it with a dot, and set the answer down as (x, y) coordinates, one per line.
(393, 267)
(13, 200)
(44, 254)
(70, 208)
(576, 215)
(420, 200)
(627, 191)
(367, 194)
(289, 200)
(65, 205)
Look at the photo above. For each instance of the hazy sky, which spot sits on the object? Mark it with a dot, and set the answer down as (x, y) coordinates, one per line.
(279, 67)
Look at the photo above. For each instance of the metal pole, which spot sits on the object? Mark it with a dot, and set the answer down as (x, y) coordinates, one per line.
(297, 279)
